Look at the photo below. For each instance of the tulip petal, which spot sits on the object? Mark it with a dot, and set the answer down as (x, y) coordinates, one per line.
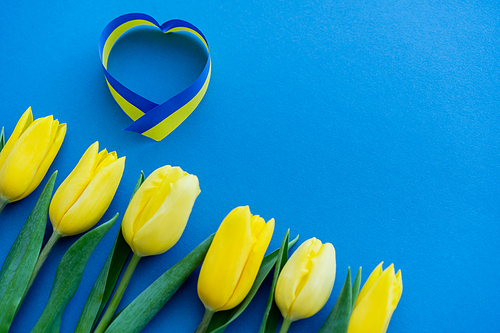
(105, 161)
(222, 319)
(94, 201)
(60, 132)
(164, 229)
(295, 271)
(369, 283)
(139, 201)
(26, 155)
(317, 289)
(23, 123)
(376, 308)
(252, 265)
(258, 223)
(73, 186)
(158, 197)
(226, 259)
(397, 289)
(100, 157)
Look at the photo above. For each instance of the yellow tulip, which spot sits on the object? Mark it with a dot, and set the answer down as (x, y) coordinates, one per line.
(154, 221)
(158, 213)
(376, 301)
(305, 283)
(233, 259)
(27, 155)
(83, 197)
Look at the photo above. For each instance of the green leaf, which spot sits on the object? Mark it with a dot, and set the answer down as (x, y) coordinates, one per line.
(338, 319)
(138, 184)
(221, 319)
(69, 273)
(355, 287)
(272, 313)
(2, 139)
(20, 262)
(56, 325)
(140, 311)
(106, 280)
(104, 285)
(120, 255)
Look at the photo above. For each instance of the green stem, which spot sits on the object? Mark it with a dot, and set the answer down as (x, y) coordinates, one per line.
(3, 203)
(286, 325)
(43, 255)
(117, 297)
(205, 321)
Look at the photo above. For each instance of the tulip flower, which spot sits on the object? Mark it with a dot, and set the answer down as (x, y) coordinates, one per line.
(232, 261)
(158, 213)
(306, 281)
(83, 197)
(27, 155)
(376, 301)
(154, 221)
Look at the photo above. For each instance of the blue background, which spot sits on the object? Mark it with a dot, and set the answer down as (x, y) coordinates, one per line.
(373, 125)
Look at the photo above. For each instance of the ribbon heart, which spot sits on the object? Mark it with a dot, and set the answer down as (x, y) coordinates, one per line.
(153, 120)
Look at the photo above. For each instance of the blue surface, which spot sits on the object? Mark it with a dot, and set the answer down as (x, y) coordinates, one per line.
(373, 125)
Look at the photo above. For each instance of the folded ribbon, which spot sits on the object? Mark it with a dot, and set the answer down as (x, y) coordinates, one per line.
(153, 120)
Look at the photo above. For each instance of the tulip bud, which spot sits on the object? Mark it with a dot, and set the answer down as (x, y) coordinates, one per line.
(233, 260)
(83, 197)
(305, 283)
(376, 301)
(28, 154)
(158, 213)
